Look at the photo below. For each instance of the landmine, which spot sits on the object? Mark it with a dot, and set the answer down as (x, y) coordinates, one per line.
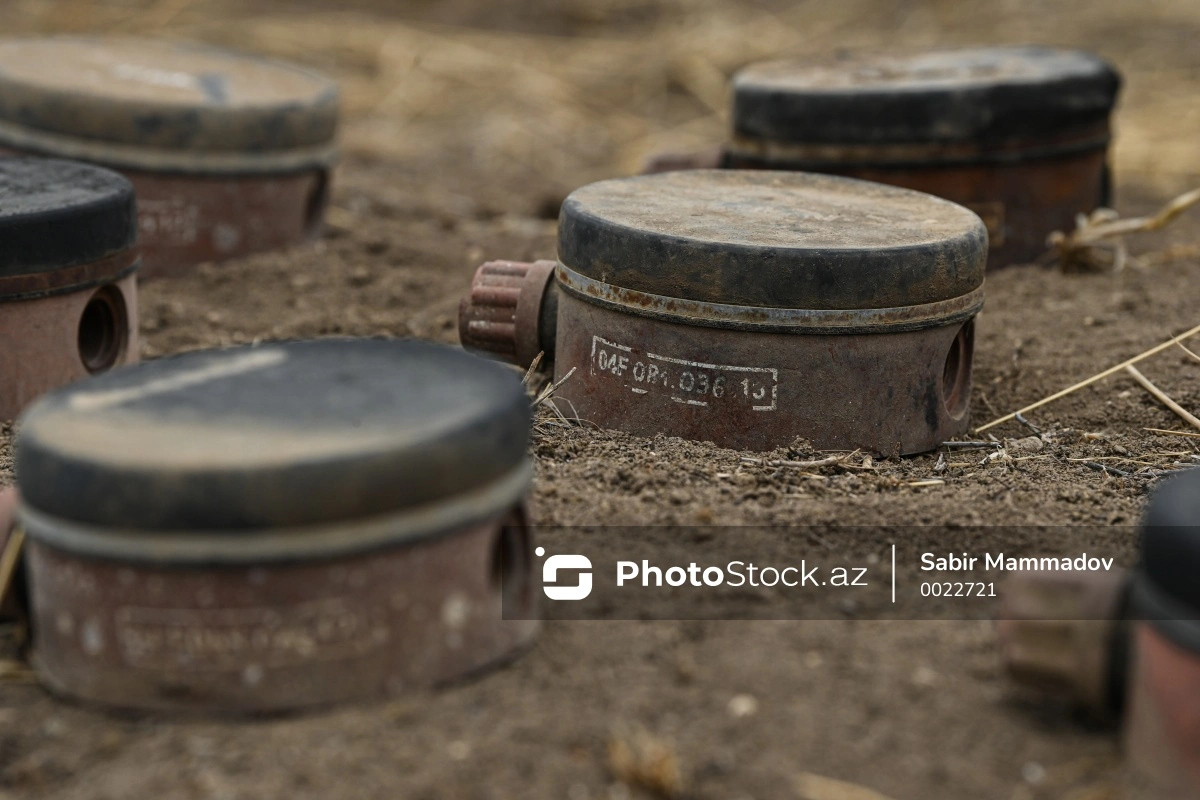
(1162, 726)
(230, 154)
(1019, 135)
(68, 293)
(277, 527)
(1125, 643)
(749, 308)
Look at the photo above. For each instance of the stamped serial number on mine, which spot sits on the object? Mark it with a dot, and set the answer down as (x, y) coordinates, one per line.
(691, 383)
(173, 220)
(216, 638)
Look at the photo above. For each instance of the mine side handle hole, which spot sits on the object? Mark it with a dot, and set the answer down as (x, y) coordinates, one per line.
(103, 330)
(512, 562)
(315, 205)
(956, 374)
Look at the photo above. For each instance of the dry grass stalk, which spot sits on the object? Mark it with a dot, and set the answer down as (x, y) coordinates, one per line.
(1163, 397)
(1190, 354)
(819, 462)
(817, 787)
(1164, 432)
(1096, 244)
(644, 761)
(13, 671)
(1089, 381)
(551, 388)
(9, 559)
(533, 368)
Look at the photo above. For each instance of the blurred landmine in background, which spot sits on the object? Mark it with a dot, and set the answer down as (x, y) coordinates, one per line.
(559, 94)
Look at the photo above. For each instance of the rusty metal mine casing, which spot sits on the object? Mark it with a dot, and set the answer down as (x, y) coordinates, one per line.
(1067, 634)
(1162, 725)
(229, 154)
(750, 308)
(277, 527)
(1019, 135)
(68, 294)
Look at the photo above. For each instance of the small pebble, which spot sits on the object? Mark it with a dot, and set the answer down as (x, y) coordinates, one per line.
(924, 676)
(1033, 773)
(742, 705)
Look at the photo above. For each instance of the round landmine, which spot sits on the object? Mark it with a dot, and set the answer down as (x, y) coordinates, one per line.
(1162, 734)
(275, 527)
(749, 308)
(68, 293)
(230, 154)
(1017, 134)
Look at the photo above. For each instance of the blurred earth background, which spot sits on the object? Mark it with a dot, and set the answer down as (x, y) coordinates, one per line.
(466, 122)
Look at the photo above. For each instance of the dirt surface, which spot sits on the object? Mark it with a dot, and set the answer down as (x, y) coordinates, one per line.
(467, 122)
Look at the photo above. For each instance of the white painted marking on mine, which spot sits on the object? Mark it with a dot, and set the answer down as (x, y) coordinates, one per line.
(700, 378)
(237, 365)
(154, 76)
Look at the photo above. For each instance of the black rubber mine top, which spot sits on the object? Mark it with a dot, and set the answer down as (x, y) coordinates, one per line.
(772, 239)
(164, 95)
(272, 435)
(59, 213)
(984, 94)
(1171, 539)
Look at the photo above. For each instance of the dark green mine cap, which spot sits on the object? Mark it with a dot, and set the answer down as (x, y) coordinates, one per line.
(56, 214)
(155, 104)
(276, 435)
(782, 240)
(983, 94)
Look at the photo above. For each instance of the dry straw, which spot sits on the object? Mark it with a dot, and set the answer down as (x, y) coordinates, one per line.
(9, 559)
(1093, 379)
(1097, 243)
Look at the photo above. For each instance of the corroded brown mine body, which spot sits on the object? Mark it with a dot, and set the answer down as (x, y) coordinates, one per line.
(68, 296)
(1017, 134)
(229, 154)
(277, 527)
(750, 308)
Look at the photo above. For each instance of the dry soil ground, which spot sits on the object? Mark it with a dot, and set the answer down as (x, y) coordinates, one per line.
(467, 122)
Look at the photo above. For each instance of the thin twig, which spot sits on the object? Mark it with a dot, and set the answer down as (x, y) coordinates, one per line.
(1102, 231)
(537, 362)
(9, 559)
(1191, 354)
(1120, 473)
(13, 671)
(1097, 377)
(1120, 227)
(970, 445)
(552, 388)
(1122, 459)
(1021, 419)
(1164, 432)
(817, 787)
(820, 462)
(1163, 398)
